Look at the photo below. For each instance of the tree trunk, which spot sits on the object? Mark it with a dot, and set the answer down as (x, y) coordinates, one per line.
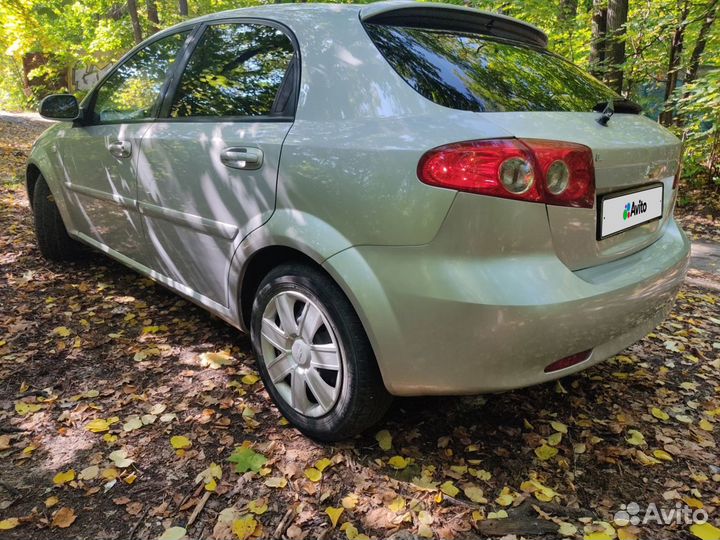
(676, 49)
(598, 44)
(152, 15)
(183, 7)
(616, 19)
(137, 30)
(702, 39)
(568, 10)
(698, 50)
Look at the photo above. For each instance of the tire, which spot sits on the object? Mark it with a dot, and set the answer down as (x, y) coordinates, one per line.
(299, 317)
(52, 238)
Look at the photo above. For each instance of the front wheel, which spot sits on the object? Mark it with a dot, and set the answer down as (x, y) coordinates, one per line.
(52, 238)
(314, 356)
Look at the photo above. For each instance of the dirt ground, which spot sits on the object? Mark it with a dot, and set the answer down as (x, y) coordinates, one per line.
(117, 421)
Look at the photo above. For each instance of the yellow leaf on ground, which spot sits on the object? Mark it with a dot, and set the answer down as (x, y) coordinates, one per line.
(258, 506)
(397, 505)
(705, 425)
(64, 477)
(244, 527)
(215, 360)
(705, 531)
(173, 533)
(250, 379)
(276, 482)
(323, 464)
(635, 437)
(545, 452)
(350, 501)
(448, 488)
(627, 533)
(475, 494)
(352, 533)
(9, 523)
(98, 425)
(660, 414)
(61, 331)
(567, 529)
(597, 536)
(313, 474)
(51, 501)
(334, 514)
(384, 439)
(89, 473)
(27, 408)
(505, 498)
(663, 455)
(120, 459)
(559, 427)
(555, 438)
(63, 518)
(646, 460)
(180, 442)
(500, 514)
(398, 462)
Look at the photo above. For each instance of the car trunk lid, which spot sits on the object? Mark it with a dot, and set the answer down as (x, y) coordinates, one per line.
(630, 152)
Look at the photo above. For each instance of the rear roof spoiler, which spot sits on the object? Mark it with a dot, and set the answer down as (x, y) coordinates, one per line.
(450, 17)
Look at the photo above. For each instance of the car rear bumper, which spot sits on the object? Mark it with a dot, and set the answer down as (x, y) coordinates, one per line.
(445, 321)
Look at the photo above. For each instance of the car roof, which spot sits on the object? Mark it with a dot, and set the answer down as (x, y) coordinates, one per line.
(401, 12)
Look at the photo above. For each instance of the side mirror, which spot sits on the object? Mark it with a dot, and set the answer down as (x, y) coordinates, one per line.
(60, 107)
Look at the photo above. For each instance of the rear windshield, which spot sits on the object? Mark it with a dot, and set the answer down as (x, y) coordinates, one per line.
(473, 72)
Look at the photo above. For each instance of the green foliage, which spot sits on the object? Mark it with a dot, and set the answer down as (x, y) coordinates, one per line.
(246, 459)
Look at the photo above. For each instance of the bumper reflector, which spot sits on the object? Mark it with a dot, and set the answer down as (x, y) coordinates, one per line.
(568, 361)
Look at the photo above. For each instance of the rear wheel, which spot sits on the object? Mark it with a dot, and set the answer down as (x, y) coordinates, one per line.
(53, 240)
(314, 356)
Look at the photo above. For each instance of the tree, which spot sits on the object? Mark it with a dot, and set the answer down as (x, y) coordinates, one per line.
(674, 59)
(183, 8)
(598, 43)
(137, 30)
(617, 13)
(152, 15)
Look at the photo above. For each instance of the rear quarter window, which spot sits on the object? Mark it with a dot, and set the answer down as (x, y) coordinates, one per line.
(474, 72)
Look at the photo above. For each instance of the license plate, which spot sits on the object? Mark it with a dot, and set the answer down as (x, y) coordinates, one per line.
(623, 211)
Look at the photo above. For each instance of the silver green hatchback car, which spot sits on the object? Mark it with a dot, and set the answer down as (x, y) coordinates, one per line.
(393, 199)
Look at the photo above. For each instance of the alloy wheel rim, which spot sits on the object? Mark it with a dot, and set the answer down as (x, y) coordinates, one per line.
(302, 353)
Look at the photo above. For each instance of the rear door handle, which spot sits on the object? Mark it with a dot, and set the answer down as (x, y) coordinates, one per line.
(120, 149)
(246, 158)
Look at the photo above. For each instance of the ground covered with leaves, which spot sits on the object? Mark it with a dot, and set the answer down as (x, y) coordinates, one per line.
(127, 413)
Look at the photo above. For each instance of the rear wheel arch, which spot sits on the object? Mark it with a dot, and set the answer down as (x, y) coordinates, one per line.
(260, 264)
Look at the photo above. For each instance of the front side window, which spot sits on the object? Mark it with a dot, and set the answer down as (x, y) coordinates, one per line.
(131, 92)
(236, 70)
(474, 72)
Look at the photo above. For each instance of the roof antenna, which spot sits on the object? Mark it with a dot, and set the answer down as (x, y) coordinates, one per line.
(607, 113)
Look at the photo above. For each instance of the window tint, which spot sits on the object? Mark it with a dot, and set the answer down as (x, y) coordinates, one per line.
(131, 91)
(477, 73)
(236, 70)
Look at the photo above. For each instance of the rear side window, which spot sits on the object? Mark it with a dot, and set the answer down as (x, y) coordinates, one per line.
(236, 70)
(473, 72)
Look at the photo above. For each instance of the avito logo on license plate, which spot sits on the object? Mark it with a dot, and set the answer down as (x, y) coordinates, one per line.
(627, 210)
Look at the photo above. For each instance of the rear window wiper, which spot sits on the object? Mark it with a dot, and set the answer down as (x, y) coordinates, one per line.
(619, 105)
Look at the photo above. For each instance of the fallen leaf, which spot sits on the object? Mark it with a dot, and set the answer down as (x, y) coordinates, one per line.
(246, 459)
(448, 488)
(475, 494)
(313, 474)
(635, 437)
(244, 527)
(384, 439)
(64, 477)
(64, 517)
(545, 452)
(705, 531)
(398, 462)
(180, 442)
(173, 533)
(9, 523)
(334, 514)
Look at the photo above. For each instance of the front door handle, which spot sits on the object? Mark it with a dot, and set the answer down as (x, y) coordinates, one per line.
(120, 149)
(242, 157)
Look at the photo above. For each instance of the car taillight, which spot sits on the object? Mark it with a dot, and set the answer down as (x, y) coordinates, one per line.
(536, 170)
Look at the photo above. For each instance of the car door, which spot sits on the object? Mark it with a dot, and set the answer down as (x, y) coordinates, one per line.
(99, 155)
(208, 167)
